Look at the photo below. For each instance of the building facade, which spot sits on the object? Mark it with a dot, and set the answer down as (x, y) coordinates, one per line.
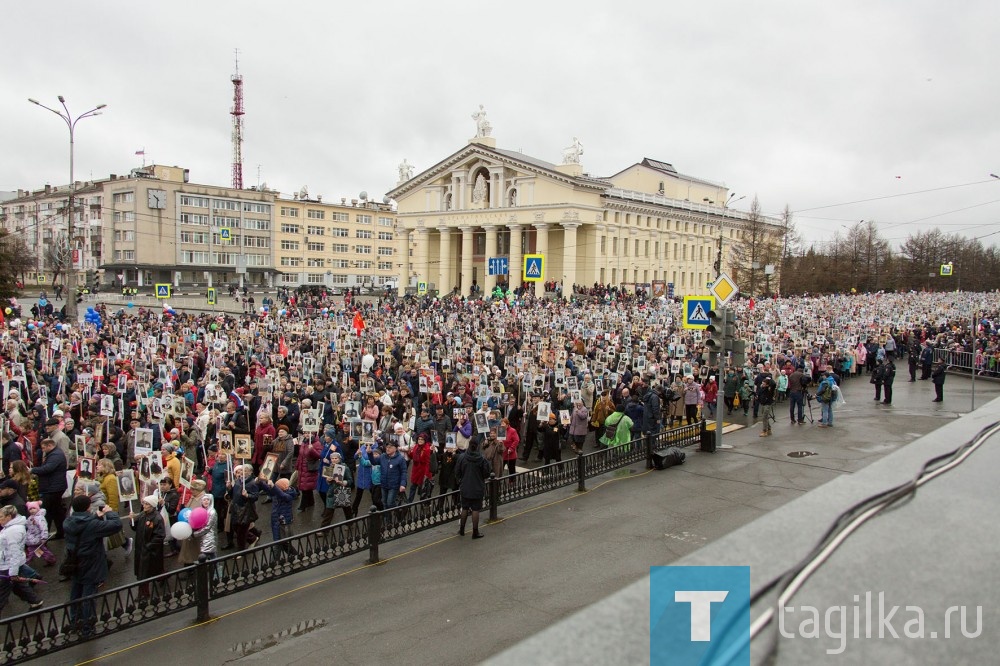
(335, 245)
(40, 219)
(645, 223)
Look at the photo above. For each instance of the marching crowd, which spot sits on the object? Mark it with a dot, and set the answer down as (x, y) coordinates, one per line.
(169, 435)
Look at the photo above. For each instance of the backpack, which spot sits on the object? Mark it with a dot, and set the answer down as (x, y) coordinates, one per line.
(611, 429)
(825, 393)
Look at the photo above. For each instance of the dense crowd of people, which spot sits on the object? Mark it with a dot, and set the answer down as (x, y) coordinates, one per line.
(174, 435)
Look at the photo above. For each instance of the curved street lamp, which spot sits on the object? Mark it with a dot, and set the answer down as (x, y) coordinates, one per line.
(71, 309)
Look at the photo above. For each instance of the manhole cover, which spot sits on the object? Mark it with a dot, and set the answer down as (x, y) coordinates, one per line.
(801, 454)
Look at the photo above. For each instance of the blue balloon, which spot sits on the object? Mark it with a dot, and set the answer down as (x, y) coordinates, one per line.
(184, 515)
(131, 304)
(31, 327)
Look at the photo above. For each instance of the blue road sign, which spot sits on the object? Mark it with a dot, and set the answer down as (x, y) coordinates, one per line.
(534, 267)
(497, 266)
(696, 309)
(163, 291)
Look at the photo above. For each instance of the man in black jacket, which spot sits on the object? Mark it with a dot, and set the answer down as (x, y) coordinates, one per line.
(51, 475)
(471, 471)
(85, 532)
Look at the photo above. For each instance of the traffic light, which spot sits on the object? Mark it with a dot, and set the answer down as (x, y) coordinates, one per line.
(739, 353)
(738, 348)
(716, 331)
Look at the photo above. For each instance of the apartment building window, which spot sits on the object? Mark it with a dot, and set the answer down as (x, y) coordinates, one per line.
(124, 255)
(339, 263)
(340, 232)
(385, 235)
(289, 245)
(385, 251)
(230, 222)
(257, 225)
(385, 221)
(338, 247)
(288, 211)
(314, 278)
(315, 263)
(291, 261)
(123, 197)
(258, 259)
(338, 279)
(219, 204)
(289, 228)
(257, 208)
(315, 231)
(194, 218)
(289, 278)
(190, 257)
(233, 240)
(363, 249)
(194, 202)
(316, 247)
(364, 219)
(385, 265)
(363, 233)
(256, 241)
(365, 265)
(340, 217)
(313, 214)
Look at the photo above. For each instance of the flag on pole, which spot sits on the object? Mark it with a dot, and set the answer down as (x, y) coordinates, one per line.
(282, 347)
(140, 152)
(359, 324)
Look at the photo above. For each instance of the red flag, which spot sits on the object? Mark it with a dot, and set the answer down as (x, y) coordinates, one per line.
(752, 303)
(359, 324)
(282, 347)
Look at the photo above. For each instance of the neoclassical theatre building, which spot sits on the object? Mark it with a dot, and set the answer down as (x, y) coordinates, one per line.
(644, 225)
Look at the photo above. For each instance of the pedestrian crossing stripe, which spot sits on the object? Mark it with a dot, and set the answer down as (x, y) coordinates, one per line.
(696, 309)
(534, 267)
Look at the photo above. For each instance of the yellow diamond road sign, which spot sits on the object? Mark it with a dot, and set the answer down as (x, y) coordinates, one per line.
(723, 289)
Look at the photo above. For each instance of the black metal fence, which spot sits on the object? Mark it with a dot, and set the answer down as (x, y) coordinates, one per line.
(54, 628)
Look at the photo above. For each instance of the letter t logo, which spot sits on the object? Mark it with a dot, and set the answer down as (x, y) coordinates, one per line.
(701, 610)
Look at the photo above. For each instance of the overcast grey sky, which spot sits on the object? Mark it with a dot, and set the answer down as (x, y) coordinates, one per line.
(805, 103)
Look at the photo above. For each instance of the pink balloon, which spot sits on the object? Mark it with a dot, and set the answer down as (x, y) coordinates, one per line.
(198, 518)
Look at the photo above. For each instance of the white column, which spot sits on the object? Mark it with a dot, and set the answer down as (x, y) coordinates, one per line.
(404, 276)
(491, 251)
(516, 256)
(422, 258)
(569, 257)
(445, 282)
(466, 259)
(542, 248)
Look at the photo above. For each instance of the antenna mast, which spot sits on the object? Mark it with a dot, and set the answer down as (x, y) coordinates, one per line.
(237, 114)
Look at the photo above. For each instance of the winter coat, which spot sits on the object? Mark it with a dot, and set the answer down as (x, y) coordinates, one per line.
(219, 474)
(393, 470)
(285, 449)
(85, 534)
(205, 537)
(259, 451)
(172, 466)
(281, 504)
(651, 411)
(38, 529)
(622, 425)
(13, 540)
(308, 463)
(365, 460)
(51, 472)
(471, 471)
(109, 487)
(493, 451)
(420, 464)
(579, 421)
(149, 536)
(510, 444)
(550, 440)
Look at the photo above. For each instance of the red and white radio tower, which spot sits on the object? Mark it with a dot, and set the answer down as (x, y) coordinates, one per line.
(237, 114)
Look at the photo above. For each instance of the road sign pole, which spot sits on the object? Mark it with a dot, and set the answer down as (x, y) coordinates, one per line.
(720, 395)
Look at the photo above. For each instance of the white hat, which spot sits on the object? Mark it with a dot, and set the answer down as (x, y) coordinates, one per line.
(151, 500)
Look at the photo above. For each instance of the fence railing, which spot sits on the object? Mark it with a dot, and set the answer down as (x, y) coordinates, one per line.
(961, 362)
(55, 628)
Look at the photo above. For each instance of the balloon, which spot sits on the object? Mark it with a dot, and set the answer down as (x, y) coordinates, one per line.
(31, 327)
(7, 311)
(282, 312)
(214, 327)
(198, 518)
(184, 515)
(131, 304)
(180, 531)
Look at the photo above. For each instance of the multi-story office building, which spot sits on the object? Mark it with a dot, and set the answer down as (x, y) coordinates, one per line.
(335, 245)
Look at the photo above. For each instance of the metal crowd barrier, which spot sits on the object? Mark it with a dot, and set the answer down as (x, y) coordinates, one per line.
(43, 632)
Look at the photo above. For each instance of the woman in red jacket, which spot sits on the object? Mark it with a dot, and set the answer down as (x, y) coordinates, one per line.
(265, 433)
(421, 478)
(510, 445)
(307, 466)
(711, 390)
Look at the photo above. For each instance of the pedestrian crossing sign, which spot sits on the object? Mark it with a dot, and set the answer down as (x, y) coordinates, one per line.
(211, 295)
(421, 288)
(163, 291)
(946, 269)
(225, 233)
(696, 309)
(534, 267)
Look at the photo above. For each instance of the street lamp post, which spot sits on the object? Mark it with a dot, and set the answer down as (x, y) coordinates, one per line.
(718, 256)
(71, 309)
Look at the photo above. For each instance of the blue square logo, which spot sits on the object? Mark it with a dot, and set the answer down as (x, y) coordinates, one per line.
(699, 615)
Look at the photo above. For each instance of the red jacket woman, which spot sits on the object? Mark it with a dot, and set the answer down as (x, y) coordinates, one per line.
(421, 479)
(307, 464)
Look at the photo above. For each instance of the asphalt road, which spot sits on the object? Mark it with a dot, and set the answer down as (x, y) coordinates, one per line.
(438, 598)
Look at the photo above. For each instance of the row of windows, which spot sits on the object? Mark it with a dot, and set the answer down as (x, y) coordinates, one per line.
(362, 233)
(223, 258)
(124, 236)
(124, 216)
(123, 197)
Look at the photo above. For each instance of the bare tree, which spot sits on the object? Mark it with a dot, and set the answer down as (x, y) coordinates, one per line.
(790, 245)
(56, 256)
(759, 245)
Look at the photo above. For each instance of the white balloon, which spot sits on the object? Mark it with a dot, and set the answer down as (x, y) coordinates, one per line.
(180, 531)
(367, 361)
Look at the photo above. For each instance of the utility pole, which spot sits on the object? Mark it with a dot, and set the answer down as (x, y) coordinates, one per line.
(71, 309)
